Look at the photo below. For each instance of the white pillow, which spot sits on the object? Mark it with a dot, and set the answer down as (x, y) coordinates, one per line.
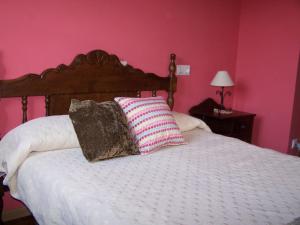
(187, 123)
(42, 134)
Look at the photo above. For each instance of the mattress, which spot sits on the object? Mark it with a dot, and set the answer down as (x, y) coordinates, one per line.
(211, 180)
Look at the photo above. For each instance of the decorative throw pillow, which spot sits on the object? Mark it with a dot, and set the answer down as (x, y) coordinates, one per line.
(101, 129)
(151, 123)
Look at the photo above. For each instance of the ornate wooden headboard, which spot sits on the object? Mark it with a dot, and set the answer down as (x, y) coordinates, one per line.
(96, 75)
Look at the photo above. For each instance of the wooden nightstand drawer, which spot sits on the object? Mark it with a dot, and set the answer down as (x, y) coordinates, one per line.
(238, 127)
(243, 128)
(243, 124)
(220, 127)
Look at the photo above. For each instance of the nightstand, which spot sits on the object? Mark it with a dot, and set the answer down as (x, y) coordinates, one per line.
(237, 124)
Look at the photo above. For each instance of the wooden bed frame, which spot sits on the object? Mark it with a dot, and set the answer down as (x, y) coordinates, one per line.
(96, 75)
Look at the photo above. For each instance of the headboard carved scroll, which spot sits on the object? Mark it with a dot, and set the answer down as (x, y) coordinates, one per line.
(96, 75)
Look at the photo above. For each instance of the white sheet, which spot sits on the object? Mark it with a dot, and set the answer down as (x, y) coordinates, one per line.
(37, 135)
(186, 122)
(48, 134)
(212, 180)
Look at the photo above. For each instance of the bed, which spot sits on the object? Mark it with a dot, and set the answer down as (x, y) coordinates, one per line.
(211, 180)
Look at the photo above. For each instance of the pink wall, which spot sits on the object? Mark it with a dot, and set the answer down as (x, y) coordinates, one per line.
(40, 34)
(267, 59)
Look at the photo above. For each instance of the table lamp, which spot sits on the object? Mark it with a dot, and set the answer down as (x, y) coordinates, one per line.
(222, 79)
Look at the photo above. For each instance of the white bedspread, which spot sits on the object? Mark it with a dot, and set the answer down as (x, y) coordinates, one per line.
(212, 180)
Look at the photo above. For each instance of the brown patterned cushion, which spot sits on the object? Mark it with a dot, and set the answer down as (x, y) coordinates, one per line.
(101, 129)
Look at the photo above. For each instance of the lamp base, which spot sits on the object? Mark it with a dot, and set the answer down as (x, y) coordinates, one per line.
(222, 94)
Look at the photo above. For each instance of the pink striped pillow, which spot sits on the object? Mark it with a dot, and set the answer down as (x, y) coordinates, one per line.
(150, 122)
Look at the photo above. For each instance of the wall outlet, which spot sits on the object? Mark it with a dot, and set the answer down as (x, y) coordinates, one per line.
(183, 70)
(294, 143)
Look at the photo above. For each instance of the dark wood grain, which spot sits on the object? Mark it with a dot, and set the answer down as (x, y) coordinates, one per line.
(24, 108)
(96, 75)
(237, 124)
(47, 104)
(172, 81)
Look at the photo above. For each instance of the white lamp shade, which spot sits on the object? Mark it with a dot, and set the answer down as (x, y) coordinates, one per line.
(222, 79)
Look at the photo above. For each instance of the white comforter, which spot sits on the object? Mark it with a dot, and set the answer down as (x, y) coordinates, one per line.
(38, 135)
(211, 180)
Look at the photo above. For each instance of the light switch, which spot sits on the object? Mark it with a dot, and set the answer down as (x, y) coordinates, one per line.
(184, 70)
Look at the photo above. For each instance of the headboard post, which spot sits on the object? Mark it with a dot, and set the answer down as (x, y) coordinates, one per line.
(153, 93)
(47, 104)
(172, 84)
(24, 108)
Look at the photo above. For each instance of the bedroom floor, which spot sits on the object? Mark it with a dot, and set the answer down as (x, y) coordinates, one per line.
(29, 220)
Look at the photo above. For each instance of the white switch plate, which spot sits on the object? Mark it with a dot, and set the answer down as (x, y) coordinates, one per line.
(183, 70)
